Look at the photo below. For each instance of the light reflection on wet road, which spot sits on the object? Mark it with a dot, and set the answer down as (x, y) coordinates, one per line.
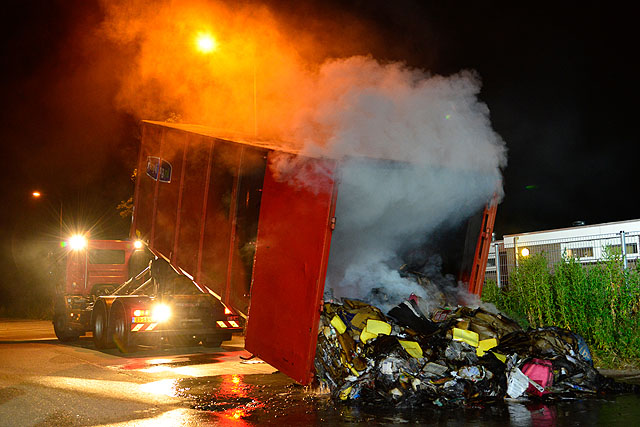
(44, 382)
(260, 399)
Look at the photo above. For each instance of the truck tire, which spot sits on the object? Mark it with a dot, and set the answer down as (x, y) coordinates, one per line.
(61, 327)
(102, 338)
(120, 328)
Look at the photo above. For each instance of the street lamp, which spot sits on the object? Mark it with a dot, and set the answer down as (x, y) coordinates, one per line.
(205, 43)
(36, 195)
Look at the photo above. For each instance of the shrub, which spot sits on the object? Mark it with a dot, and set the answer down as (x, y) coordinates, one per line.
(601, 302)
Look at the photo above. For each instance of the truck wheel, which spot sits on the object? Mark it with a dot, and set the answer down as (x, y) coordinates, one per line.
(62, 329)
(121, 332)
(101, 336)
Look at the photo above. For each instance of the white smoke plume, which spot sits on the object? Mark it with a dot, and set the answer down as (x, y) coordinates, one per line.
(448, 167)
(439, 158)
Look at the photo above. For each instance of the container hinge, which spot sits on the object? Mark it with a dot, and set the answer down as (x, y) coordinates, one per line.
(333, 223)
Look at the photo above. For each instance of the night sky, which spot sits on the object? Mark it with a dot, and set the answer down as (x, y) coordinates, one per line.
(560, 82)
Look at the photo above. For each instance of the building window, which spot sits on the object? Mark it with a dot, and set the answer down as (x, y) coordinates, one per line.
(632, 248)
(580, 252)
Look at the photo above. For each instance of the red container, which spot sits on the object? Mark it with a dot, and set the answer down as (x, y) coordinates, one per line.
(217, 211)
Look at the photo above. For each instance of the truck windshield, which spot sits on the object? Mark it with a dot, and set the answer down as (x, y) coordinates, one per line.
(106, 256)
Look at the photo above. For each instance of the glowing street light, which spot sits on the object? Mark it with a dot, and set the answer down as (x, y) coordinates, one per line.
(37, 194)
(205, 43)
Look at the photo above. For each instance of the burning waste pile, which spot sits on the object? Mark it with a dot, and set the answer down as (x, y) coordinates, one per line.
(448, 357)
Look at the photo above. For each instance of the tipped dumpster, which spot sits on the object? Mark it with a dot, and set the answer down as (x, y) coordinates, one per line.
(258, 236)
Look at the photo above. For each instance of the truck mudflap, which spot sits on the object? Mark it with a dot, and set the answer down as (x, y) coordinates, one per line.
(294, 235)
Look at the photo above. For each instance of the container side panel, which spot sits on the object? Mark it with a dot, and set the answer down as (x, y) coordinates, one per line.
(476, 280)
(150, 147)
(218, 220)
(476, 248)
(191, 205)
(172, 153)
(248, 198)
(290, 267)
(474, 227)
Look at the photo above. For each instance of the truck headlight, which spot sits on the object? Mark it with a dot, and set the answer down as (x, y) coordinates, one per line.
(77, 242)
(161, 313)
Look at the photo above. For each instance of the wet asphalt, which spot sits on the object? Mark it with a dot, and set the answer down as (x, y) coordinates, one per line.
(44, 382)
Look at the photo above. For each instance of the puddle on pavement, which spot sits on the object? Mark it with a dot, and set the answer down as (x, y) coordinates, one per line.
(274, 398)
(173, 362)
(252, 398)
(191, 359)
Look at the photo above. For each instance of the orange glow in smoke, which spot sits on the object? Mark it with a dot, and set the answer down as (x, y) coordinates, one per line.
(205, 43)
(36, 194)
(241, 70)
(222, 78)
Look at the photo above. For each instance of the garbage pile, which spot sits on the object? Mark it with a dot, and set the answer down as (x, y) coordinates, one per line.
(452, 357)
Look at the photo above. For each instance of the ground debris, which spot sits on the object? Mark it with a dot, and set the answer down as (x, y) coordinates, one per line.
(449, 357)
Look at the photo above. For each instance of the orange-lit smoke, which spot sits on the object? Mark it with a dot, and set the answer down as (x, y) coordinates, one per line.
(214, 81)
(349, 106)
(250, 79)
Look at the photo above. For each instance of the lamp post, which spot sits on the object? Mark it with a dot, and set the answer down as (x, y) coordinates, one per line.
(37, 195)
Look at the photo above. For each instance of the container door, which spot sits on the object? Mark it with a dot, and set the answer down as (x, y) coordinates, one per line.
(294, 234)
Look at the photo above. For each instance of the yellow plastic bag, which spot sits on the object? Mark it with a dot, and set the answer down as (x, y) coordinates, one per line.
(373, 329)
(412, 347)
(366, 336)
(485, 345)
(378, 327)
(501, 357)
(337, 323)
(463, 335)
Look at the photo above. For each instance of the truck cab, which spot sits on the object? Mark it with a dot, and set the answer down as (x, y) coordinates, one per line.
(93, 268)
(97, 268)
(125, 294)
